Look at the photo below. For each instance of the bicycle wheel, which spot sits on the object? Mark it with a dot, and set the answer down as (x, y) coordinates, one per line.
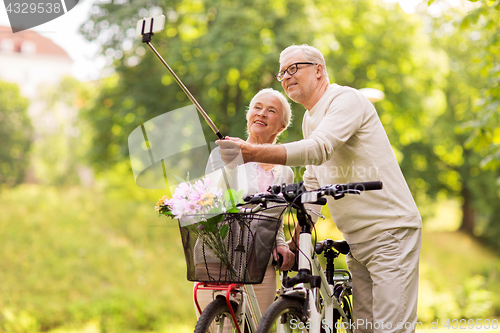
(283, 316)
(341, 325)
(216, 318)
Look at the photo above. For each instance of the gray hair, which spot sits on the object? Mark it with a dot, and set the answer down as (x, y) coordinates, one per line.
(310, 54)
(287, 111)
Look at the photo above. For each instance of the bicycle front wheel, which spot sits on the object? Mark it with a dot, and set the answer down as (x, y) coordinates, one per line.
(284, 316)
(216, 318)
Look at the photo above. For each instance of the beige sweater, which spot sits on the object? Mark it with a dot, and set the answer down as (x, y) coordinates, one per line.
(344, 141)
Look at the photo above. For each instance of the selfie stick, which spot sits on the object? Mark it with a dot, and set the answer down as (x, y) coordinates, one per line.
(148, 26)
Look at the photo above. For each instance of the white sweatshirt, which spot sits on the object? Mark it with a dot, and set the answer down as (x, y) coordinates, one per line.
(344, 142)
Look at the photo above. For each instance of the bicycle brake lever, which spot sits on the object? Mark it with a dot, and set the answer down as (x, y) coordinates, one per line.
(315, 212)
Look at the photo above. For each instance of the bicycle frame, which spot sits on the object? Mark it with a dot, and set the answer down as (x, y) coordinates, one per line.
(310, 267)
(242, 294)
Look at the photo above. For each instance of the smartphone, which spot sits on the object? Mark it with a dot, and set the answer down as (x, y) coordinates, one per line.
(150, 25)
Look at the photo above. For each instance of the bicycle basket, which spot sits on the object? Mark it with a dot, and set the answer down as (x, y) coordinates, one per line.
(235, 249)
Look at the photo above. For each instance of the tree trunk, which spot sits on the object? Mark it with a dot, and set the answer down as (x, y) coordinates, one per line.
(468, 213)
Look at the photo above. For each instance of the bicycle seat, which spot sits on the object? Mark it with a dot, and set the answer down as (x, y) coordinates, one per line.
(341, 246)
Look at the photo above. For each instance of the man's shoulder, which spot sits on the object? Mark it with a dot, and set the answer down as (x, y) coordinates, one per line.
(338, 90)
(348, 97)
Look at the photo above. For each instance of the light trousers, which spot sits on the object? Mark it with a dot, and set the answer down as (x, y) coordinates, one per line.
(385, 281)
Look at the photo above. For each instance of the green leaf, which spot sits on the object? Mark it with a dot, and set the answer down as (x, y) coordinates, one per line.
(180, 179)
(211, 223)
(430, 2)
(233, 210)
(232, 198)
(210, 226)
(218, 218)
(224, 230)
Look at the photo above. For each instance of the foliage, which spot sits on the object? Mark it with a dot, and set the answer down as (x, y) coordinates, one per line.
(19, 322)
(223, 51)
(62, 141)
(483, 24)
(74, 256)
(365, 50)
(443, 162)
(15, 134)
(226, 51)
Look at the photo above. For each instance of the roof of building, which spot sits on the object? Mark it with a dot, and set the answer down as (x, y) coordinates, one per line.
(28, 41)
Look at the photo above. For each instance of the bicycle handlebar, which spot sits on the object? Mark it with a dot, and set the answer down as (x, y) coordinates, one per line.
(295, 194)
(362, 186)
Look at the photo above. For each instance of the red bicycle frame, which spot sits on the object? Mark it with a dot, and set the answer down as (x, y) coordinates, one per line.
(230, 291)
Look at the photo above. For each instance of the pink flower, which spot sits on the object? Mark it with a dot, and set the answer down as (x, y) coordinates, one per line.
(183, 190)
(189, 199)
(201, 185)
(194, 195)
(190, 207)
(179, 208)
(168, 202)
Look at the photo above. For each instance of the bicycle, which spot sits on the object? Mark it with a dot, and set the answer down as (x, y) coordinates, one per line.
(249, 242)
(312, 301)
(223, 316)
(298, 307)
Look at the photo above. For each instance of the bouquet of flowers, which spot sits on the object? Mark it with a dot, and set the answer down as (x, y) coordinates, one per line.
(201, 207)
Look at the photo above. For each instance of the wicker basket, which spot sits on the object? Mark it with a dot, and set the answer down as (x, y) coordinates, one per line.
(240, 255)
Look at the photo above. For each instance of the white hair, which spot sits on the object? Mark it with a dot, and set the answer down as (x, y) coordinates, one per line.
(310, 54)
(287, 111)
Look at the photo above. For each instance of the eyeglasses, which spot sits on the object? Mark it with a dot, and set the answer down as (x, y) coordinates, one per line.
(292, 69)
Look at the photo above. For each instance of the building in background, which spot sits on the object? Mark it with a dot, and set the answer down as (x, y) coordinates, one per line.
(29, 59)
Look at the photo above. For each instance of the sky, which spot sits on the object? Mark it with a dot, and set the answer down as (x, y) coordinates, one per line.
(87, 64)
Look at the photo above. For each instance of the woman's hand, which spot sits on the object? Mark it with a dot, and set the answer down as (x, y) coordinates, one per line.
(288, 257)
(231, 150)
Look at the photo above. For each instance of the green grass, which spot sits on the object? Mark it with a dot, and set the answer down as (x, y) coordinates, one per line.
(78, 260)
(72, 256)
(459, 278)
(445, 252)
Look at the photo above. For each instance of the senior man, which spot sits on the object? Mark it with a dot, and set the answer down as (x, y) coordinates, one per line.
(344, 141)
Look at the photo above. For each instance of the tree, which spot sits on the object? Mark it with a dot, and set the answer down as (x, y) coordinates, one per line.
(59, 151)
(15, 134)
(446, 163)
(224, 52)
(484, 24)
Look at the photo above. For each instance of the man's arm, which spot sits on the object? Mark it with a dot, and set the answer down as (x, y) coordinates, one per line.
(267, 153)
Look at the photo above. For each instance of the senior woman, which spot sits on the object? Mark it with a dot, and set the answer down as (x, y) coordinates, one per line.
(268, 115)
